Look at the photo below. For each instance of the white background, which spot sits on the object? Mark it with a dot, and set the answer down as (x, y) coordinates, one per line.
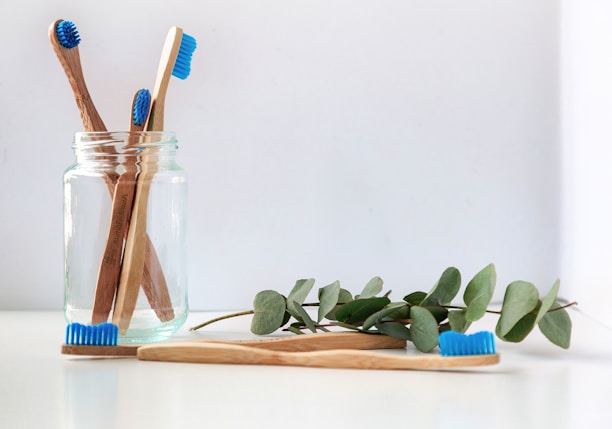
(332, 139)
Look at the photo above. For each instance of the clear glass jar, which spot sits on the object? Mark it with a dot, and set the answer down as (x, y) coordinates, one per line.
(125, 254)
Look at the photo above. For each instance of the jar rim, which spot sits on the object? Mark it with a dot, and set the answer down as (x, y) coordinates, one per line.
(103, 134)
(84, 140)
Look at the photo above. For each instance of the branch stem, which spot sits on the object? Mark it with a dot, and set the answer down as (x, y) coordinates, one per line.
(217, 319)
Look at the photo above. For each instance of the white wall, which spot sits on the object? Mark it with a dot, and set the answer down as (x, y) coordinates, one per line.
(328, 139)
(586, 258)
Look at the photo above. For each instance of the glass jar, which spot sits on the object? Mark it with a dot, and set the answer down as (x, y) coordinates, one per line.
(125, 255)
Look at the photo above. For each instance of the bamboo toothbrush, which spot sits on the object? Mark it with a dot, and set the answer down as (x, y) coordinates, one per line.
(175, 59)
(330, 349)
(101, 340)
(123, 197)
(65, 38)
(467, 351)
(157, 294)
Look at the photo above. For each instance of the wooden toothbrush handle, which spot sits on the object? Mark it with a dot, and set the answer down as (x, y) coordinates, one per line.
(324, 341)
(153, 283)
(309, 342)
(134, 256)
(190, 352)
(110, 266)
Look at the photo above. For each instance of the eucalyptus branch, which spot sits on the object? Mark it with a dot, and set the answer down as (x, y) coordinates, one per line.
(420, 316)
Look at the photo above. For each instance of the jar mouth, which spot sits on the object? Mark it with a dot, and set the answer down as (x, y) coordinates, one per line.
(121, 140)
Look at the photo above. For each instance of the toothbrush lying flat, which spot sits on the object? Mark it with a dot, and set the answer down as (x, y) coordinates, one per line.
(191, 352)
(65, 38)
(176, 53)
(101, 340)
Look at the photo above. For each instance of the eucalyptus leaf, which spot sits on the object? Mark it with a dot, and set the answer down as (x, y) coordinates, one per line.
(328, 299)
(457, 320)
(346, 325)
(401, 311)
(343, 297)
(268, 312)
(420, 317)
(295, 330)
(548, 301)
(379, 315)
(478, 293)
(439, 313)
(286, 317)
(395, 330)
(304, 316)
(372, 288)
(298, 295)
(415, 298)
(519, 330)
(423, 329)
(556, 325)
(520, 299)
(360, 309)
(445, 290)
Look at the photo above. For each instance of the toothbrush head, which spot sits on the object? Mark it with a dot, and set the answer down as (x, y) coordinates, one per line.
(458, 344)
(67, 34)
(140, 110)
(182, 65)
(104, 334)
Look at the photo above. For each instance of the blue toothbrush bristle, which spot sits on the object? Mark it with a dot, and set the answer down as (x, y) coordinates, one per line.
(456, 344)
(141, 107)
(104, 334)
(67, 34)
(182, 66)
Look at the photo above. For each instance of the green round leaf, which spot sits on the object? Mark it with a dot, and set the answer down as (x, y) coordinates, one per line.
(304, 316)
(445, 289)
(478, 293)
(457, 321)
(549, 301)
(395, 330)
(415, 298)
(328, 298)
(423, 329)
(379, 315)
(520, 299)
(440, 313)
(343, 297)
(359, 310)
(557, 327)
(372, 288)
(298, 295)
(519, 331)
(401, 311)
(268, 312)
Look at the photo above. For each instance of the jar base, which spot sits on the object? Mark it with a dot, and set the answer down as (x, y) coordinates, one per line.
(144, 328)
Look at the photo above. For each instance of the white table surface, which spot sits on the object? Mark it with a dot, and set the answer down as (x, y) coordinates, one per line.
(536, 385)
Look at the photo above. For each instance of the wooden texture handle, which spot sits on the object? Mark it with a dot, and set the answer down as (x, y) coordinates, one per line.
(134, 257)
(154, 283)
(324, 341)
(308, 342)
(70, 60)
(109, 271)
(190, 352)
